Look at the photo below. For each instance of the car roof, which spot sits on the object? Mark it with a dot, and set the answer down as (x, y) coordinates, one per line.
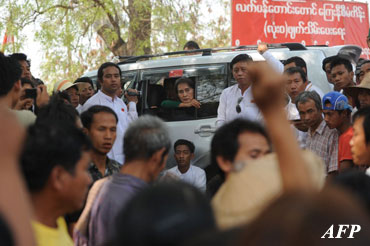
(218, 57)
(226, 57)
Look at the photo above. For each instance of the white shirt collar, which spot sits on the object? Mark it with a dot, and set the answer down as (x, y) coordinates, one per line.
(246, 92)
(109, 98)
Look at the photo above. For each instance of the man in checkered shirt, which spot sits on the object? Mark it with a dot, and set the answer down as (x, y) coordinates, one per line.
(320, 138)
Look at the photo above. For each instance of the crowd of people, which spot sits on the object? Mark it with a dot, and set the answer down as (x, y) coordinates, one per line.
(289, 164)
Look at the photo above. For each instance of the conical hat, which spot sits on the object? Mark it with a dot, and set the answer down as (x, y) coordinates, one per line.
(64, 85)
(247, 192)
(354, 90)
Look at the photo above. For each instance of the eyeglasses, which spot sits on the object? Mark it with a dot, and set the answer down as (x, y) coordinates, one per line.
(238, 108)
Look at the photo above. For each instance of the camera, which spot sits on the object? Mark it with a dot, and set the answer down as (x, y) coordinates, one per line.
(133, 93)
(30, 93)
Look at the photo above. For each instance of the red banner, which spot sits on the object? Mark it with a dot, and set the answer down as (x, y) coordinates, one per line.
(307, 22)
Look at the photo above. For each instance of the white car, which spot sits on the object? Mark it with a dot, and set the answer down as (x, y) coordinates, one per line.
(210, 71)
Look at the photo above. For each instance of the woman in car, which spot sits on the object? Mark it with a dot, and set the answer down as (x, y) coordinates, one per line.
(185, 92)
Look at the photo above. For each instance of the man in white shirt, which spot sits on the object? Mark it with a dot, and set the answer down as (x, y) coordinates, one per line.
(109, 76)
(184, 153)
(237, 101)
(269, 58)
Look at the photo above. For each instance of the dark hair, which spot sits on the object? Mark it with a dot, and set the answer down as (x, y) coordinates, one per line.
(49, 144)
(326, 61)
(184, 142)
(341, 61)
(304, 96)
(294, 70)
(184, 80)
(105, 65)
(357, 183)
(364, 112)
(6, 235)
(298, 61)
(87, 117)
(364, 62)
(39, 82)
(191, 45)
(20, 57)
(145, 136)
(27, 81)
(146, 221)
(359, 63)
(84, 80)
(56, 110)
(225, 141)
(10, 72)
(62, 95)
(240, 58)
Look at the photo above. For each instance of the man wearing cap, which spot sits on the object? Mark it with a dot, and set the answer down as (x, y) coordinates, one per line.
(337, 114)
(109, 76)
(360, 93)
(71, 90)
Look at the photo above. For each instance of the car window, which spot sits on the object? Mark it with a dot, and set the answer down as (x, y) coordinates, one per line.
(128, 78)
(162, 99)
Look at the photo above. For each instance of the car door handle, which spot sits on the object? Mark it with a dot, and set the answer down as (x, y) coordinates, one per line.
(205, 130)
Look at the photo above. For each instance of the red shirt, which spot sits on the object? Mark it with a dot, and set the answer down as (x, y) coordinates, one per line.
(344, 150)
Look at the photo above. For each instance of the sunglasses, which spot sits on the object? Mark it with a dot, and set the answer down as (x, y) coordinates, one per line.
(238, 108)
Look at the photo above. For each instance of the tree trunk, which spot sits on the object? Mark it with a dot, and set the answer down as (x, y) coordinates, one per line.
(117, 46)
(140, 13)
(139, 30)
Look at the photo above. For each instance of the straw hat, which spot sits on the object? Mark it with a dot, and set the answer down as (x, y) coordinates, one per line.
(63, 85)
(354, 90)
(247, 192)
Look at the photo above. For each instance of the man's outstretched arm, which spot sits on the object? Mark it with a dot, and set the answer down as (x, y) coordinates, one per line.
(268, 93)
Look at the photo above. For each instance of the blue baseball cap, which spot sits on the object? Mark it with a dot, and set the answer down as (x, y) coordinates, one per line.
(337, 100)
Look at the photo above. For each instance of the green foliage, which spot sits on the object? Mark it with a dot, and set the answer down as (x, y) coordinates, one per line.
(79, 35)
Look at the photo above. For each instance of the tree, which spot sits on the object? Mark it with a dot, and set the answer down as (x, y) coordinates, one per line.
(78, 35)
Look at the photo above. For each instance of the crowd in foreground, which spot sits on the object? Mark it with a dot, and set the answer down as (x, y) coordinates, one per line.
(288, 162)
